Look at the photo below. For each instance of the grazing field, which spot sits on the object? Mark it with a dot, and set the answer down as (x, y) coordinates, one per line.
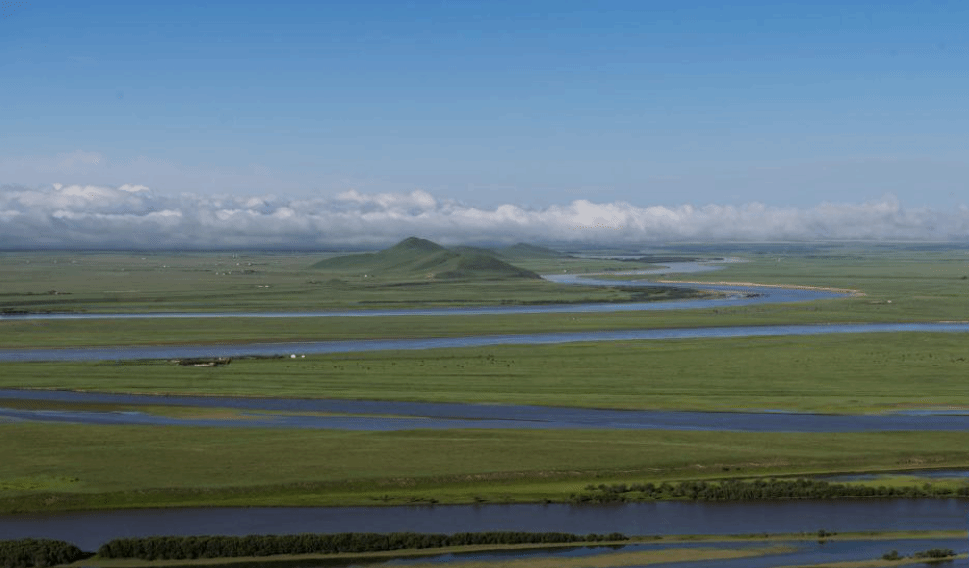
(895, 286)
(77, 467)
(210, 282)
(850, 374)
(64, 466)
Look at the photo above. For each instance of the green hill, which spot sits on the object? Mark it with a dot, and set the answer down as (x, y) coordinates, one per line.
(420, 258)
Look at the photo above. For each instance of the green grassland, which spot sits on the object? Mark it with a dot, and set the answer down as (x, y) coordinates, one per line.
(403, 276)
(897, 285)
(849, 374)
(66, 466)
(78, 467)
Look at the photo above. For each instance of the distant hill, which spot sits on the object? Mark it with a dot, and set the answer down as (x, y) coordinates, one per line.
(525, 250)
(421, 258)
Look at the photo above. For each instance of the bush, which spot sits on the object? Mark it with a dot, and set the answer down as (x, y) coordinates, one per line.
(935, 553)
(893, 555)
(29, 552)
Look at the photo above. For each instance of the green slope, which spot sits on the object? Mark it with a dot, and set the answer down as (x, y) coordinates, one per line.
(420, 258)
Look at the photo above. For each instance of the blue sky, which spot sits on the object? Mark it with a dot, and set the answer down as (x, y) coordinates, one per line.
(530, 103)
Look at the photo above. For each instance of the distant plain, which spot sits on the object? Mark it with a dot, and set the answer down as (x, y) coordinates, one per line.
(65, 467)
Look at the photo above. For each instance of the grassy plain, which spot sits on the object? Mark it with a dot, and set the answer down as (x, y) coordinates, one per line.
(898, 285)
(849, 374)
(75, 467)
(67, 466)
(210, 282)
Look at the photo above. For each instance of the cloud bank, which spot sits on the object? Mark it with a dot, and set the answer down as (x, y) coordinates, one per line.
(135, 217)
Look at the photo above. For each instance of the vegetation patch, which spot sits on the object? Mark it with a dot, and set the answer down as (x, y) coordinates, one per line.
(40, 553)
(757, 490)
(422, 259)
(930, 554)
(191, 547)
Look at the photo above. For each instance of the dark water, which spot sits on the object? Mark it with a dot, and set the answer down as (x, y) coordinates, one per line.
(89, 529)
(396, 415)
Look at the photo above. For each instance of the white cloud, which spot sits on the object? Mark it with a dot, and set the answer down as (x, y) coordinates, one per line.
(134, 216)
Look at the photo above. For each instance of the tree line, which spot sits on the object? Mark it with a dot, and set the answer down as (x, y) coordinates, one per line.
(756, 490)
(930, 554)
(29, 552)
(192, 547)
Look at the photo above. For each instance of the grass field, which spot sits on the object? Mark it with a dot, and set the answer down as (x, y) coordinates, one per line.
(207, 282)
(61, 467)
(850, 374)
(897, 286)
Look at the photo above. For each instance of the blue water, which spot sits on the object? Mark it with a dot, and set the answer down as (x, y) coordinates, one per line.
(90, 529)
(397, 415)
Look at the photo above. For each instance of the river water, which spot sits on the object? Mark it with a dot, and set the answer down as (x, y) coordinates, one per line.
(397, 415)
(119, 353)
(90, 529)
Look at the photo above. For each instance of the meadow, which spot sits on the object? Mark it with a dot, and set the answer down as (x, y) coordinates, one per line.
(83, 467)
(845, 374)
(119, 282)
(66, 466)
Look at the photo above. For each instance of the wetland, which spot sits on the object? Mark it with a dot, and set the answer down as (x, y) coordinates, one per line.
(632, 409)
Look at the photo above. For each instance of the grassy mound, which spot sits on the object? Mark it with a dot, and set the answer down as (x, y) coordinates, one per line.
(420, 258)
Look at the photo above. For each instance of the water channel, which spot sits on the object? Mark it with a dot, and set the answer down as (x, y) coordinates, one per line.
(90, 529)
(398, 415)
